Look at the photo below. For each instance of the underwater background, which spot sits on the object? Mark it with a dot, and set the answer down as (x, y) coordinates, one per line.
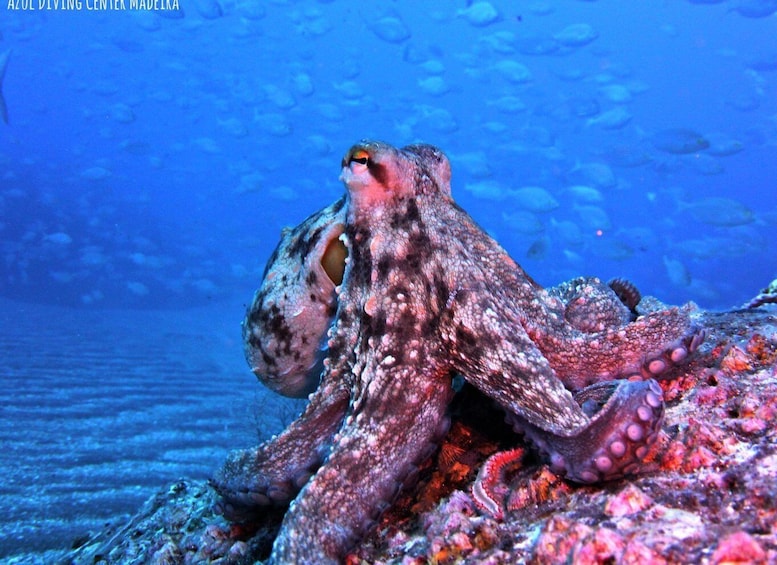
(149, 159)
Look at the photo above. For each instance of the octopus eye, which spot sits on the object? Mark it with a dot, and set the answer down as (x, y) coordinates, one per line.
(333, 260)
(361, 157)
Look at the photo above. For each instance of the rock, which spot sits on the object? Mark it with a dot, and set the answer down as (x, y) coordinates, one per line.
(708, 492)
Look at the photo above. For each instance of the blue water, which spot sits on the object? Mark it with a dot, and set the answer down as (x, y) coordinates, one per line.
(169, 151)
(150, 159)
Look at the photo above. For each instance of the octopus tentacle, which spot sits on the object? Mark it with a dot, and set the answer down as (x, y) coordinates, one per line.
(658, 364)
(492, 351)
(349, 492)
(626, 418)
(648, 347)
(275, 471)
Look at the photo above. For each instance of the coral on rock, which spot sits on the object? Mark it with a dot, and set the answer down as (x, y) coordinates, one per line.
(708, 492)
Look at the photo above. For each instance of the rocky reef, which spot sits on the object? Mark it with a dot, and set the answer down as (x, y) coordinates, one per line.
(707, 494)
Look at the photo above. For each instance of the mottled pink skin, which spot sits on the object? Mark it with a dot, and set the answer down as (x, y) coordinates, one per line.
(288, 318)
(427, 294)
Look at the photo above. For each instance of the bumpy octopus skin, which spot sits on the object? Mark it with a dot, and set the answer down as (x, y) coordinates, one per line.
(286, 326)
(427, 294)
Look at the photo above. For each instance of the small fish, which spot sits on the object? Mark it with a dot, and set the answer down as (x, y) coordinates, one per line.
(597, 174)
(95, 173)
(390, 28)
(755, 8)
(209, 9)
(576, 35)
(572, 256)
(616, 93)
(679, 141)
(487, 190)
(58, 238)
(438, 119)
(593, 217)
(584, 106)
(234, 127)
(318, 145)
(476, 164)
(538, 249)
(611, 249)
(523, 222)
(480, 14)
(707, 164)
(137, 288)
(763, 62)
(677, 272)
(303, 84)
(568, 232)
(3, 64)
(433, 67)
(513, 71)
(615, 118)
(584, 193)
(435, 85)
(534, 199)
(722, 145)
(281, 97)
(122, 113)
(719, 211)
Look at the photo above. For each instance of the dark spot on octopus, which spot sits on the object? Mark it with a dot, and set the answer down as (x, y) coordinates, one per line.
(378, 172)
(384, 265)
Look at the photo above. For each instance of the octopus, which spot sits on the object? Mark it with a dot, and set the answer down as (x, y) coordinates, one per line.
(375, 305)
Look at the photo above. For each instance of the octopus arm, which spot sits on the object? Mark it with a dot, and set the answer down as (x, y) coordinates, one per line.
(600, 433)
(626, 418)
(648, 347)
(274, 472)
(491, 349)
(396, 423)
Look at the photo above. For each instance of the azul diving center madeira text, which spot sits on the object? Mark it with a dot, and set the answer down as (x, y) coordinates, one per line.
(93, 5)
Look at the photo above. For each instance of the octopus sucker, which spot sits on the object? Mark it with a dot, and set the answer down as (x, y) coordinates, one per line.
(375, 304)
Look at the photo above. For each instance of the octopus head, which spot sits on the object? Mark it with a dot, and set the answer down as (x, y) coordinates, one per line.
(376, 173)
